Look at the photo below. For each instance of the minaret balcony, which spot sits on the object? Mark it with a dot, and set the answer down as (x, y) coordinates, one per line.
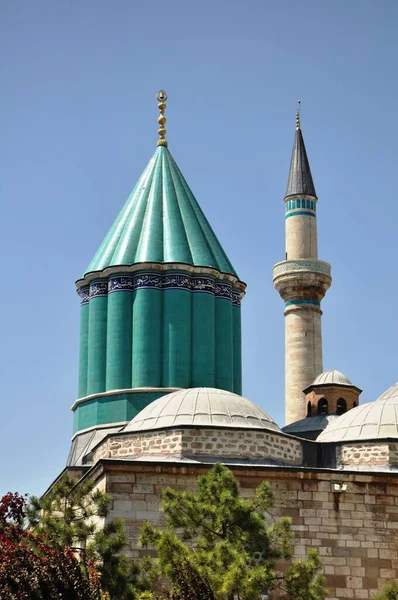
(302, 278)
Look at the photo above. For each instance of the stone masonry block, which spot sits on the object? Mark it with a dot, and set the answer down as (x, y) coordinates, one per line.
(143, 488)
(344, 593)
(121, 487)
(354, 582)
(122, 508)
(361, 594)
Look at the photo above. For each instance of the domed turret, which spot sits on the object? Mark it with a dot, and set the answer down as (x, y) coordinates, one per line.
(330, 395)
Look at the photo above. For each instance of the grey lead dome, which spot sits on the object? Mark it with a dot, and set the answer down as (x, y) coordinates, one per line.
(371, 421)
(332, 377)
(202, 407)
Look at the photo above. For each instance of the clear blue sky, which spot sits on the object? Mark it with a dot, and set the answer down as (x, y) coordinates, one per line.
(78, 125)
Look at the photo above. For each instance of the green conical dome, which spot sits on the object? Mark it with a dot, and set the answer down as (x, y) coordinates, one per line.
(160, 305)
(161, 222)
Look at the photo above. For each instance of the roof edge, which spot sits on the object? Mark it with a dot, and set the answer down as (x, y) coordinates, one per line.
(166, 266)
(329, 385)
(301, 194)
(97, 470)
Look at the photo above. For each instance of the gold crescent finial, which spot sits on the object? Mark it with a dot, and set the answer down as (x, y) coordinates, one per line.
(298, 115)
(161, 97)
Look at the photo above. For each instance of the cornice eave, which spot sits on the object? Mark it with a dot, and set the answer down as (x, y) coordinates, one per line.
(162, 267)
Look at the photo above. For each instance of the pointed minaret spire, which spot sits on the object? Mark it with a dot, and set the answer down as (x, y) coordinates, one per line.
(302, 280)
(300, 178)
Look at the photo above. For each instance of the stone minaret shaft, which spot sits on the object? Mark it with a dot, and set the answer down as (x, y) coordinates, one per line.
(302, 280)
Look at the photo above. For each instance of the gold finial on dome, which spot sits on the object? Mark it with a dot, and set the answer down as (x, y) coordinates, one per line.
(161, 97)
(298, 115)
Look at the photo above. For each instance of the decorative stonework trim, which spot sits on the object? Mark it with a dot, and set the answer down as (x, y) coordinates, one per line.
(98, 289)
(85, 295)
(299, 213)
(236, 297)
(301, 301)
(305, 204)
(137, 390)
(301, 197)
(160, 267)
(314, 266)
(156, 281)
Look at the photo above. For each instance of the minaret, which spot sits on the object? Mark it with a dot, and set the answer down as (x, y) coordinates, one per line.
(302, 280)
(160, 305)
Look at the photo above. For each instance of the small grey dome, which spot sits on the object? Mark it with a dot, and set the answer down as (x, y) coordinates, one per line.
(202, 407)
(371, 421)
(332, 377)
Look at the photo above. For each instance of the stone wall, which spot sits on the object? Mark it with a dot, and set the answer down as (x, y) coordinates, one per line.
(148, 443)
(245, 443)
(393, 454)
(368, 454)
(356, 531)
(192, 442)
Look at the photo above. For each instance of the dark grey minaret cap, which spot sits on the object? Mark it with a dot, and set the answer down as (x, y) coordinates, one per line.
(300, 178)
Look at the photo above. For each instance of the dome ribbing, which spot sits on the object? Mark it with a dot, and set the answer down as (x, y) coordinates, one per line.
(332, 377)
(161, 222)
(390, 393)
(202, 407)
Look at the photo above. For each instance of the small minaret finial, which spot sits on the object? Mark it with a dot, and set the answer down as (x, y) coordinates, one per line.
(298, 115)
(161, 97)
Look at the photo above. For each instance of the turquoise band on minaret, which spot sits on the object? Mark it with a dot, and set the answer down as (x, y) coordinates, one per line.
(300, 213)
(301, 301)
(296, 207)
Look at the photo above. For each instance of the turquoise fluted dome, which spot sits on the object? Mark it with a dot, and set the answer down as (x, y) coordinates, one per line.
(160, 306)
(161, 222)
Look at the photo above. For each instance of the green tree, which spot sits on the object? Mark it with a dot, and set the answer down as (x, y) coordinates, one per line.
(32, 569)
(70, 515)
(219, 546)
(389, 592)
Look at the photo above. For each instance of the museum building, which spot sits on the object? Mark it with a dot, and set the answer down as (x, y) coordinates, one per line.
(160, 381)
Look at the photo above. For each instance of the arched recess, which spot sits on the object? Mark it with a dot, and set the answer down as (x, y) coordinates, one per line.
(341, 406)
(322, 406)
(309, 409)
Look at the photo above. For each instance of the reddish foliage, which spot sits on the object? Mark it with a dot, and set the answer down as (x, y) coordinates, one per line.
(12, 508)
(31, 569)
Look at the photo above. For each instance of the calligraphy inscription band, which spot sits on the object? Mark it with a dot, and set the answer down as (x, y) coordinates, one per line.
(153, 281)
